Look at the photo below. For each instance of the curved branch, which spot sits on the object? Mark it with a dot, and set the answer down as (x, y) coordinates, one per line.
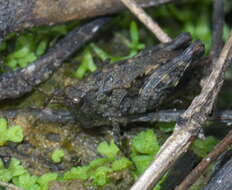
(21, 14)
(17, 83)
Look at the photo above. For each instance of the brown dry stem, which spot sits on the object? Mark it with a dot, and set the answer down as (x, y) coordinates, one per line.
(147, 20)
(188, 124)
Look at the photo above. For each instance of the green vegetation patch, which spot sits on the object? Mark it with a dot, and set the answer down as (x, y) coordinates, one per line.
(21, 50)
(20, 177)
(144, 147)
(12, 134)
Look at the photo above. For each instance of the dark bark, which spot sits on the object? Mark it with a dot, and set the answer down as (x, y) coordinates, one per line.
(222, 176)
(218, 22)
(21, 14)
(17, 83)
(64, 116)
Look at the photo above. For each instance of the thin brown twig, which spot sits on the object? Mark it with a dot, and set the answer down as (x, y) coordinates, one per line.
(200, 168)
(10, 186)
(147, 20)
(188, 124)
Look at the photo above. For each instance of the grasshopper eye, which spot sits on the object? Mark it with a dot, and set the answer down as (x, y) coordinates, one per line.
(74, 95)
(76, 100)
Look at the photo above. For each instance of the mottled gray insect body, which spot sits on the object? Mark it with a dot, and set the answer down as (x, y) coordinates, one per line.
(134, 86)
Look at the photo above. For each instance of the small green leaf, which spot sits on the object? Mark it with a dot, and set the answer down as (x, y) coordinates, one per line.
(5, 175)
(12, 63)
(98, 162)
(26, 181)
(100, 176)
(108, 150)
(166, 127)
(158, 186)
(30, 57)
(57, 155)
(205, 146)
(3, 124)
(121, 164)
(80, 72)
(15, 134)
(87, 64)
(100, 52)
(142, 162)
(20, 53)
(77, 173)
(1, 164)
(41, 47)
(88, 61)
(44, 180)
(146, 143)
(3, 46)
(3, 131)
(59, 29)
(134, 33)
(16, 168)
